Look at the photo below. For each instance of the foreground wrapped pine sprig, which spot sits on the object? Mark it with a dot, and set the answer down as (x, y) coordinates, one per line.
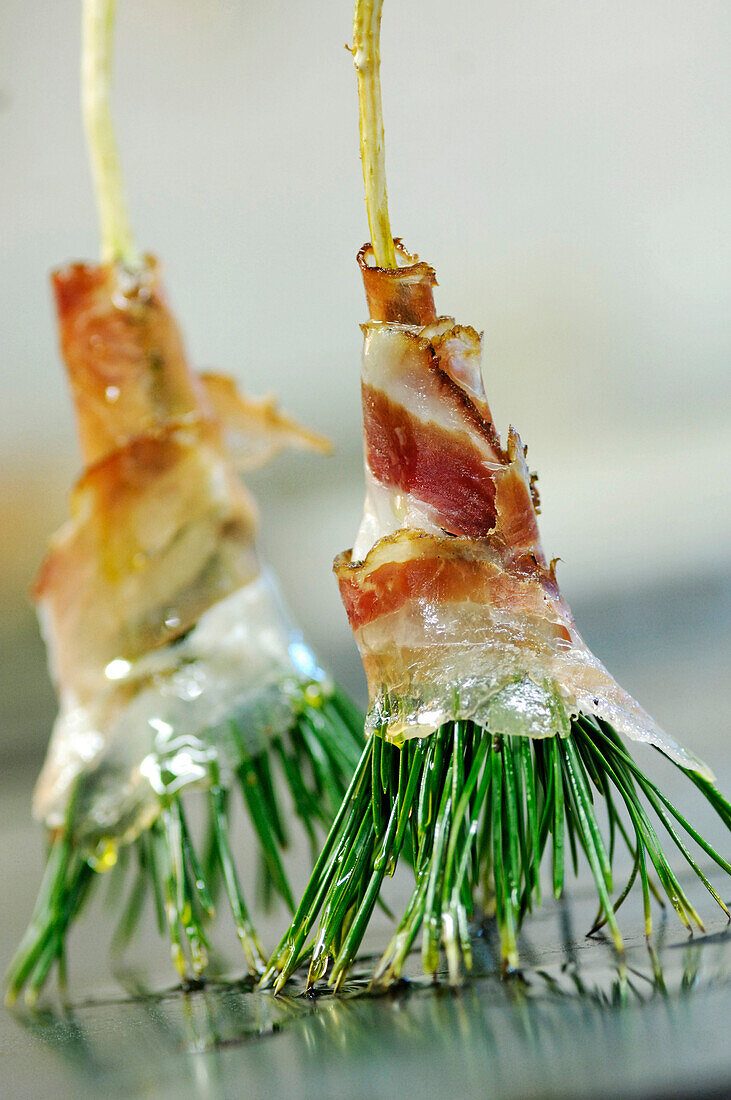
(177, 666)
(492, 727)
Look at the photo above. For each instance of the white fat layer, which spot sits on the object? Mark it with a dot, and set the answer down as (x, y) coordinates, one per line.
(507, 670)
(396, 363)
(386, 511)
(460, 356)
(393, 363)
(169, 714)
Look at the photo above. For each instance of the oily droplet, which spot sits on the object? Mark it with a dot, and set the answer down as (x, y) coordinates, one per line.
(313, 695)
(105, 856)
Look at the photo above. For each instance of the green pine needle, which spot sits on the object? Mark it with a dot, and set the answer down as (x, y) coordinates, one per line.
(477, 812)
(314, 760)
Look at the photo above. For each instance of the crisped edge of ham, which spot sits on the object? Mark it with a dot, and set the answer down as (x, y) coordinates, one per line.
(403, 293)
(256, 429)
(164, 407)
(168, 714)
(424, 585)
(402, 312)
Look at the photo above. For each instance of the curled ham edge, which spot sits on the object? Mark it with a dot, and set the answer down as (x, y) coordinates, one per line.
(159, 518)
(454, 608)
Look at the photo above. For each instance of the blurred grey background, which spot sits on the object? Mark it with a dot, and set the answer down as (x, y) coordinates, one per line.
(566, 166)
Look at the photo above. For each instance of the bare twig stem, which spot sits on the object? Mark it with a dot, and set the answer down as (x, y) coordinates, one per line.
(367, 59)
(97, 34)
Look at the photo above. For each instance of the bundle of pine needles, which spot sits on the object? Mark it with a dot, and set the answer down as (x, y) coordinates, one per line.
(474, 811)
(311, 762)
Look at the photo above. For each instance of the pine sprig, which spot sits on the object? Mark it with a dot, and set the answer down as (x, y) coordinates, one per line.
(315, 759)
(475, 812)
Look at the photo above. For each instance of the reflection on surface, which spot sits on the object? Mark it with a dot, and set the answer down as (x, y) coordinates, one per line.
(573, 1024)
(576, 996)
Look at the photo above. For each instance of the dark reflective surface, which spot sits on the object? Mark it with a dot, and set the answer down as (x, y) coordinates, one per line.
(577, 1021)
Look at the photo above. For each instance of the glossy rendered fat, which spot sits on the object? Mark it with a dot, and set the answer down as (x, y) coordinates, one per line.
(452, 603)
(123, 353)
(159, 552)
(228, 687)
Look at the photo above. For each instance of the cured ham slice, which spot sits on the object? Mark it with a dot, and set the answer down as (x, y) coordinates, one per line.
(176, 663)
(489, 715)
(255, 428)
(453, 606)
(161, 532)
(123, 353)
(492, 726)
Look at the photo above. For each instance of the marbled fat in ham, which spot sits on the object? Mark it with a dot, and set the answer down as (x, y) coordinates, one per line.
(455, 609)
(161, 534)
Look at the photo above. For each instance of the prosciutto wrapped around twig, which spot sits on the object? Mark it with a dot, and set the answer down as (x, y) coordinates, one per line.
(492, 726)
(161, 625)
(176, 663)
(456, 612)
